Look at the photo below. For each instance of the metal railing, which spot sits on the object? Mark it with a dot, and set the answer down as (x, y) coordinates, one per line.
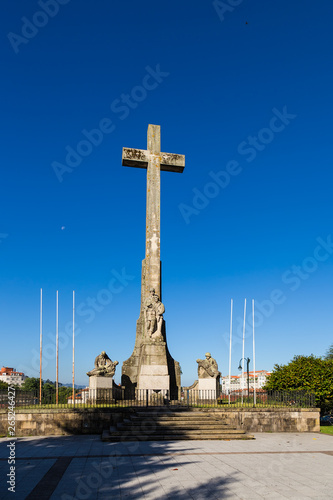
(92, 398)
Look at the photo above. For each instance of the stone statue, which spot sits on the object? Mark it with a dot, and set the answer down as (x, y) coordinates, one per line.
(154, 310)
(149, 299)
(208, 367)
(104, 366)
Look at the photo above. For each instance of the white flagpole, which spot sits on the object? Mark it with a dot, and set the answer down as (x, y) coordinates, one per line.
(57, 348)
(73, 347)
(243, 352)
(230, 350)
(40, 345)
(254, 358)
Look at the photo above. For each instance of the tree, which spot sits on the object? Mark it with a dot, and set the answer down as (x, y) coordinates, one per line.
(49, 391)
(31, 384)
(64, 394)
(3, 386)
(305, 373)
(329, 353)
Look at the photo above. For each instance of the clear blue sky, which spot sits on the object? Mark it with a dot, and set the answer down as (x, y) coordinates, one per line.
(246, 95)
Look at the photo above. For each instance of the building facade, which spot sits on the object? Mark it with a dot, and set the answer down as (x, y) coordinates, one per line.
(11, 376)
(238, 383)
(80, 397)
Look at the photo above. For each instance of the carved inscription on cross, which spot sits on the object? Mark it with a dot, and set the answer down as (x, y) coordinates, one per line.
(154, 161)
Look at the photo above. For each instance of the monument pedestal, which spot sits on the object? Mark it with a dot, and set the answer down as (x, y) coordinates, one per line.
(150, 367)
(208, 388)
(153, 369)
(100, 389)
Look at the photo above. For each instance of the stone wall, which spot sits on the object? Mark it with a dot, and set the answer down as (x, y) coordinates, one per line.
(54, 422)
(275, 419)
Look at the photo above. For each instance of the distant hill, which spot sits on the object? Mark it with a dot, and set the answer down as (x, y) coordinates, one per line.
(75, 385)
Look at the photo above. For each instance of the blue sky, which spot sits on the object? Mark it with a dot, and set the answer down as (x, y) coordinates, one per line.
(244, 92)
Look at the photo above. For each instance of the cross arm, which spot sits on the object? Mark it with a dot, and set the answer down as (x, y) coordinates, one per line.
(172, 162)
(140, 157)
(135, 158)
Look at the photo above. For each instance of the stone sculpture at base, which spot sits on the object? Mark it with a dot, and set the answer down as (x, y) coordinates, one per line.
(209, 377)
(153, 366)
(101, 379)
(154, 316)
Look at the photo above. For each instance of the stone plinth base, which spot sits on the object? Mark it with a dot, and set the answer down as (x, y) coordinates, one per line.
(154, 373)
(100, 389)
(154, 377)
(208, 388)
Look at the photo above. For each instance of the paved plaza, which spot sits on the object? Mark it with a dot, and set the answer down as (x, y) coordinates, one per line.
(273, 466)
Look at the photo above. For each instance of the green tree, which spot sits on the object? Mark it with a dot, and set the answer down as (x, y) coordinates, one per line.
(64, 393)
(305, 373)
(49, 392)
(31, 384)
(3, 386)
(329, 353)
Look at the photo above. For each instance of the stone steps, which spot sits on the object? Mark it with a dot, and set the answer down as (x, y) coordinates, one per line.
(165, 425)
(180, 420)
(177, 431)
(168, 413)
(177, 414)
(156, 427)
(177, 417)
(106, 436)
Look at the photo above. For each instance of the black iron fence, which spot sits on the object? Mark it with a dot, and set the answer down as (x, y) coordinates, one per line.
(89, 398)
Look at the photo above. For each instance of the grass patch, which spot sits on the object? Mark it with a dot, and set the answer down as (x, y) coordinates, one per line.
(326, 429)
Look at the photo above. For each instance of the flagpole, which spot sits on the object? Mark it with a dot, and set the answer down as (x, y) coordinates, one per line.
(73, 345)
(57, 349)
(230, 352)
(243, 352)
(40, 345)
(254, 358)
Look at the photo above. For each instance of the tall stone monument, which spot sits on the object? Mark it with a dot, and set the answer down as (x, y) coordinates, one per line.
(151, 366)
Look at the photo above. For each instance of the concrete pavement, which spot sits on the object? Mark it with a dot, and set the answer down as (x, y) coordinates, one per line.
(274, 466)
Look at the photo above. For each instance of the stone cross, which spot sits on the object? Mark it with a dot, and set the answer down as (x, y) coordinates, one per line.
(154, 161)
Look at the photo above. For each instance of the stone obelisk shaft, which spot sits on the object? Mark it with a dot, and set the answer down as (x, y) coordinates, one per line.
(153, 256)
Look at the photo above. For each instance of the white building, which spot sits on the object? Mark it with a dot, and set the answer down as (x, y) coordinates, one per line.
(11, 376)
(239, 382)
(80, 397)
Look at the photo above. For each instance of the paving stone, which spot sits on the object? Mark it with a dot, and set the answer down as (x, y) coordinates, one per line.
(225, 470)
